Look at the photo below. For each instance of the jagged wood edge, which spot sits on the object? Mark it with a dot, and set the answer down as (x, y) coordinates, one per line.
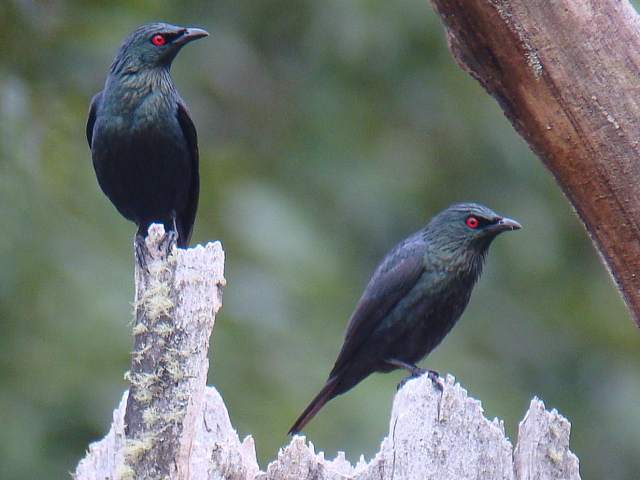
(431, 435)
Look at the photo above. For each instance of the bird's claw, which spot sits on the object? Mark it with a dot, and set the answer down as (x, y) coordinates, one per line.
(141, 252)
(436, 380)
(404, 381)
(165, 247)
(413, 373)
(170, 239)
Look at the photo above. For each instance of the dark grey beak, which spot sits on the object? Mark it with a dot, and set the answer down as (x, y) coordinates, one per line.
(191, 34)
(505, 224)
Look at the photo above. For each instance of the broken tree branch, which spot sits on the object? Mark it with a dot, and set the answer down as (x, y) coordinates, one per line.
(178, 293)
(171, 426)
(567, 75)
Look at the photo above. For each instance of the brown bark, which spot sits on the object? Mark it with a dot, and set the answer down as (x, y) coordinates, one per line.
(566, 73)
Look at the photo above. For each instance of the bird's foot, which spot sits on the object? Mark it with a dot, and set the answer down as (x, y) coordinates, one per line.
(168, 242)
(141, 252)
(436, 380)
(144, 257)
(414, 372)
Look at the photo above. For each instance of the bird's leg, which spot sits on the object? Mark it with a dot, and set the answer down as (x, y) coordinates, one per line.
(414, 372)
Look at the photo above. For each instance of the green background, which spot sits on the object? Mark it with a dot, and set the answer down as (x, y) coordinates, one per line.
(328, 131)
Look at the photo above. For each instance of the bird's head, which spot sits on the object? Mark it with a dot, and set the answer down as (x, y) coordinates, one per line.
(467, 228)
(153, 45)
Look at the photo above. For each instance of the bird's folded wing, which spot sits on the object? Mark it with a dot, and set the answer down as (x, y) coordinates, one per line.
(188, 216)
(95, 102)
(392, 280)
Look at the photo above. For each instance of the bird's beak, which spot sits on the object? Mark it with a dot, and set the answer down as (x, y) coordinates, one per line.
(191, 34)
(505, 224)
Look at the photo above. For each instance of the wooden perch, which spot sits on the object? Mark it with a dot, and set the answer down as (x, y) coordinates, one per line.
(177, 296)
(567, 75)
(171, 426)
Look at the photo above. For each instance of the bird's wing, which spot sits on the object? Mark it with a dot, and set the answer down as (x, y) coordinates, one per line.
(188, 216)
(95, 101)
(392, 280)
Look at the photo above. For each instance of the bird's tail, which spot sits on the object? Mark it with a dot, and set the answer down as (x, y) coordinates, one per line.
(326, 394)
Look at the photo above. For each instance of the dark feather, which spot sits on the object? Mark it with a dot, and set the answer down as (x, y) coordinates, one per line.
(396, 275)
(187, 217)
(326, 394)
(95, 104)
(414, 298)
(143, 142)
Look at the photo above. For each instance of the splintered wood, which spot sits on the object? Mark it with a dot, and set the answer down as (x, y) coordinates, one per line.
(170, 425)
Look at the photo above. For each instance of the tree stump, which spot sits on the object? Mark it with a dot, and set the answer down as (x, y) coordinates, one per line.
(170, 425)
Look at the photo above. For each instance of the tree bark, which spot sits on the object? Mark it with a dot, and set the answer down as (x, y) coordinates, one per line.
(566, 73)
(178, 293)
(431, 437)
(171, 426)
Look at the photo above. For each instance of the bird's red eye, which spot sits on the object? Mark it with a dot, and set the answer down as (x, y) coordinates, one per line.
(158, 40)
(472, 222)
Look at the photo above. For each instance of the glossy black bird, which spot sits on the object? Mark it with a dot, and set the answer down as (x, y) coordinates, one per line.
(143, 142)
(414, 298)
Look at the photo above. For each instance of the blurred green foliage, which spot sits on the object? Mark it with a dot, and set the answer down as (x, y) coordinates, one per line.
(328, 131)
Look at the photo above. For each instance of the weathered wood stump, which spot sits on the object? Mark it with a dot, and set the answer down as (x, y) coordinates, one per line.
(170, 425)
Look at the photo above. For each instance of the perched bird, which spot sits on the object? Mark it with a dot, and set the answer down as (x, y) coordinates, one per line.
(143, 142)
(414, 298)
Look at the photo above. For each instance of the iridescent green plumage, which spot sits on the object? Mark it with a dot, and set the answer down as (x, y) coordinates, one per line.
(143, 142)
(414, 298)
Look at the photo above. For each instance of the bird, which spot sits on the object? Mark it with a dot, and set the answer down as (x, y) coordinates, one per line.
(143, 142)
(414, 298)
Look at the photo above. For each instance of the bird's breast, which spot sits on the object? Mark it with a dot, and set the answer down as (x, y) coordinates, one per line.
(424, 317)
(153, 110)
(148, 121)
(139, 103)
(134, 128)
(437, 299)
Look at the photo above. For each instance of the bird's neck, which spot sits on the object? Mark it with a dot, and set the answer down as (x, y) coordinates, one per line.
(130, 90)
(463, 264)
(140, 78)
